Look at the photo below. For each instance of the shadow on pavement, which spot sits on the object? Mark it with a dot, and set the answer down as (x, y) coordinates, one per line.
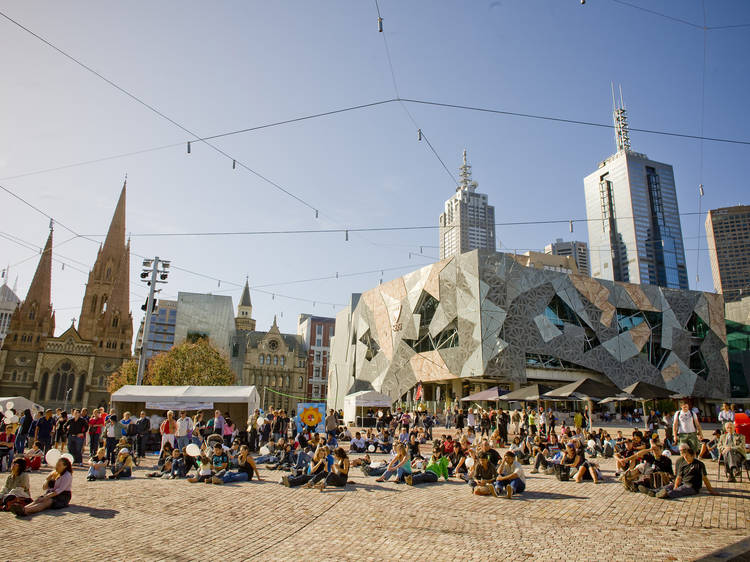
(91, 511)
(536, 495)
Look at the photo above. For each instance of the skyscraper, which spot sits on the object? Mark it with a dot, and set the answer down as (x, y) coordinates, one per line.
(633, 218)
(579, 251)
(468, 222)
(728, 234)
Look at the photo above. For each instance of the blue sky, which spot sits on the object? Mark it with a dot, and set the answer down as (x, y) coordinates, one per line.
(225, 66)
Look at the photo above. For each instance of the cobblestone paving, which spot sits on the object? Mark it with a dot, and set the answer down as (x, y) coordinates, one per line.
(153, 519)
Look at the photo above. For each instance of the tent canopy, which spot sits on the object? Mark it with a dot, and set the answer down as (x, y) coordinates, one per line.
(493, 393)
(20, 404)
(364, 399)
(184, 395)
(528, 393)
(646, 391)
(584, 388)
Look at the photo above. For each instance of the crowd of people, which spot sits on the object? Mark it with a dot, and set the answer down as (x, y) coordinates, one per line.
(476, 448)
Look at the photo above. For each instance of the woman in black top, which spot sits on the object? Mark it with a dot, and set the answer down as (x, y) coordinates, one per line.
(340, 473)
(61, 437)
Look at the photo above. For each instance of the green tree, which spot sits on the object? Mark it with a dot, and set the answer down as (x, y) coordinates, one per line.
(126, 374)
(196, 363)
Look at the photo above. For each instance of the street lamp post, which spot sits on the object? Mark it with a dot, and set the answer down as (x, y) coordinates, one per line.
(65, 403)
(151, 275)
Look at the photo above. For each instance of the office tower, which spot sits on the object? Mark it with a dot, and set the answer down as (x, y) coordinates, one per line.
(468, 222)
(579, 251)
(728, 234)
(633, 218)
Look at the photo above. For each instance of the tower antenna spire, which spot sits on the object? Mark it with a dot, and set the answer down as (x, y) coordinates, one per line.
(464, 173)
(620, 117)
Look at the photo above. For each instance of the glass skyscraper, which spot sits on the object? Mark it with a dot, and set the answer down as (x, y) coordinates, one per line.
(633, 218)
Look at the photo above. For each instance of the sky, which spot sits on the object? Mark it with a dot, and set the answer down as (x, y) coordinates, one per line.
(223, 66)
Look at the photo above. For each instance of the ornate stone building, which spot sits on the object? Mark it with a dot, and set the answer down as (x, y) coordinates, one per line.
(73, 368)
(274, 362)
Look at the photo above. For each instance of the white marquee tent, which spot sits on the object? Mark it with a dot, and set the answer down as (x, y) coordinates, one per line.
(364, 399)
(185, 397)
(20, 404)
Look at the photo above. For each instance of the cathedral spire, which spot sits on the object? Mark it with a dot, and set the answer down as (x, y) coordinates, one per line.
(34, 318)
(116, 235)
(40, 290)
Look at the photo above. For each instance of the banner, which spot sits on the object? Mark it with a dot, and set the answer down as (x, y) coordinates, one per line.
(311, 414)
(177, 406)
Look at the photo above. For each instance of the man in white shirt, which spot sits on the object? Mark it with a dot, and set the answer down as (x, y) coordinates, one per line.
(184, 431)
(726, 415)
(510, 475)
(358, 444)
(686, 427)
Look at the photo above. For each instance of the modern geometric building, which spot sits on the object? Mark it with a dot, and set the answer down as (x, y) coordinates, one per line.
(75, 367)
(728, 234)
(468, 222)
(481, 319)
(203, 315)
(579, 251)
(634, 227)
(316, 332)
(9, 302)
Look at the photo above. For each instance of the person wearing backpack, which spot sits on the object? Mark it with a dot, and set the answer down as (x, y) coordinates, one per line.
(686, 427)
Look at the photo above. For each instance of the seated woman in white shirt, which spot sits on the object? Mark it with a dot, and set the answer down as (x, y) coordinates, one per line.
(57, 491)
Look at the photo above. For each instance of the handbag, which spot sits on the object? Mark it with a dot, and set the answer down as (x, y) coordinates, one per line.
(562, 473)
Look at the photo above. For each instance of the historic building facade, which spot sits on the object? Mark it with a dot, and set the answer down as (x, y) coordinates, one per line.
(483, 317)
(73, 368)
(274, 362)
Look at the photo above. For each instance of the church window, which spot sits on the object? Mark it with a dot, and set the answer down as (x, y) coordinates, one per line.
(43, 386)
(283, 360)
(32, 312)
(108, 273)
(300, 382)
(81, 387)
(93, 304)
(115, 321)
(104, 304)
(275, 359)
(261, 359)
(14, 376)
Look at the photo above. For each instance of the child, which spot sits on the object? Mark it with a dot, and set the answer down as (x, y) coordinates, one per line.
(35, 456)
(178, 465)
(204, 472)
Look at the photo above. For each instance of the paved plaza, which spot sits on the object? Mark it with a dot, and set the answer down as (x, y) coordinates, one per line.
(154, 519)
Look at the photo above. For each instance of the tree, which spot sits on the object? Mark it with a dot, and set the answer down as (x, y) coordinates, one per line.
(126, 374)
(196, 363)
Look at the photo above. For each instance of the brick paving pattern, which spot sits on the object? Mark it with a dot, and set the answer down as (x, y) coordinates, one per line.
(154, 519)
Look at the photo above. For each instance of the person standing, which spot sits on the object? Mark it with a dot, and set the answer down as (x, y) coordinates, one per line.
(219, 423)
(167, 429)
(686, 427)
(332, 423)
(76, 429)
(96, 425)
(184, 427)
(726, 415)
(43, 432)
(142, 427)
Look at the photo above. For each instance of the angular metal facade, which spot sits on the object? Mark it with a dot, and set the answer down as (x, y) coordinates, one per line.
(481, 314)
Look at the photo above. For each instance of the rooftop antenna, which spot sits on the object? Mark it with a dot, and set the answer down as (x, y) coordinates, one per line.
(620, 117)
(465, 174)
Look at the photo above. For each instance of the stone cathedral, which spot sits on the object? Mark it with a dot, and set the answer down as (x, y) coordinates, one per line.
(74, 367)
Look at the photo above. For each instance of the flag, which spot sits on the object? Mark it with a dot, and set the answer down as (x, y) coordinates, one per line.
(418, 394)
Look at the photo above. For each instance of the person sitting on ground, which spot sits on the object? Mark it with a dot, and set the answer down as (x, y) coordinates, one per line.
(245, 469)
(484, 474)
(571, 459)
(385, 442)
(124, 464)
(691, 476)
(710, 448)
(546, 459)
(436, 467)
(492, 454)
(323, 470)
(732, 450)
(448, 445)
(204, 472)
(346, 435)
(34, 456)
(518, 449)
(657, 472)
(17, 489)
(399, 465)
(285, 456)
(457, 460)
(219, 464)
(57, 491)
(339, 474)
(511, 478)
(413, 447)
(625, 457)
(588, 470)
(593, 445)
(317, 464)
(98, 465)
(357, 445)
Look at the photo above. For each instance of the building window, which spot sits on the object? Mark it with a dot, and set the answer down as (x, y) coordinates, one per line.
(275, 359)
(300, 382)
(317, 356)
(261, 359)
(282, 360)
